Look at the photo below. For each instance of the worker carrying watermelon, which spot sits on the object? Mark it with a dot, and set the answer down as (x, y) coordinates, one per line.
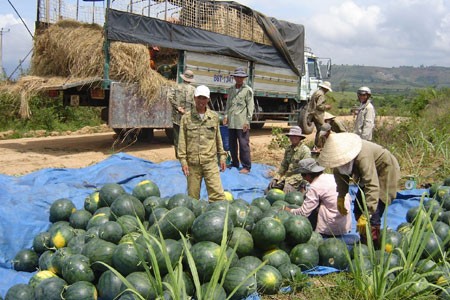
(287, 179)
(331, 125)
(373, 168)
(199, 146)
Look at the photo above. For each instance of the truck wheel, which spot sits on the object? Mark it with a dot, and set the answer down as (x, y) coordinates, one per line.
(304, 121)
(145, 134)
(169, 134)
(256, 125)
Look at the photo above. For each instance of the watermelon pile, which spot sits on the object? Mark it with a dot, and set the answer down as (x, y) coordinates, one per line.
(125, 241)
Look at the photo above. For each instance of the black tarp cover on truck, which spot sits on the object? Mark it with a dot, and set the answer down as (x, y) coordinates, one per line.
(287, 38)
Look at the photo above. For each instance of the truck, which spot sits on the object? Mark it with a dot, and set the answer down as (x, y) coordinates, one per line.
(209, 37)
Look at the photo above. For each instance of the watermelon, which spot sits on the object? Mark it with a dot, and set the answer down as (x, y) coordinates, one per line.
(76, 244)
(262, 203)
(128, 224)
(432, 246)
(295, 198)
(145, 189)
(61, 237)
(126, 204)
(98, 250)
(316, 239)
(110, 231)
(442, 230)
(177, 221)
(205, 255)
(58, 259)
(40, 276)
(218, 293)
(157, 214)
(242, 241)
(360, 250)
(393, 239)
(199, 206)
(289, 271)
(173, 250)
(79, 219)
(50, 289)
(128, 258)
(250, 263)
(306, 256)
(275, 195)
(80, 290)
(268, 233)
(269, 280)
(151, 203)
(298, 229)
(108, 193)
(41, 242)
(180, 200)
(45, 261)
(276, 257)
(109, 285)
(26, 260)
(441, 192)
(97, 220)
(91, 202)
(255, 212)
(61, 209)
(209, 226)
(77, 268)
(141, 284)
(236, 278)
(240, 215)
(187, 283)
(20, 291)
(333, 253)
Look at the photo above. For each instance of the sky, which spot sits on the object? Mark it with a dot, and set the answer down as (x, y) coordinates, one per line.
(386, 33)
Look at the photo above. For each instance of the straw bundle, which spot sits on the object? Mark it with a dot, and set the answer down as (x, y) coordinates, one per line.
(72, 49)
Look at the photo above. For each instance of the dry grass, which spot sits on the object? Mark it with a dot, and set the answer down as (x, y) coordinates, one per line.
(70, 51)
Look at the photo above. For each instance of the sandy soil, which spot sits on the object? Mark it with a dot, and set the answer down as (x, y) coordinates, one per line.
(77, 150)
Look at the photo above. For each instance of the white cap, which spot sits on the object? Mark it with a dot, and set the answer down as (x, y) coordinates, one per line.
(202, 90)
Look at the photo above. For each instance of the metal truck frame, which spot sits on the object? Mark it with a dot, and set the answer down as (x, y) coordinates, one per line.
(282, 86)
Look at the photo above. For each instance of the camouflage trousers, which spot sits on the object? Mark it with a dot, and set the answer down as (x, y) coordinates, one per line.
(211, 174)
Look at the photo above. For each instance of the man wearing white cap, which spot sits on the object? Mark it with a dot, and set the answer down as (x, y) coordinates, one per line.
(182, 100)
(199, 145)
(317, 106)
(320, 204)
(287, 178)
(365, 118)
(239, 113)
(373, 168)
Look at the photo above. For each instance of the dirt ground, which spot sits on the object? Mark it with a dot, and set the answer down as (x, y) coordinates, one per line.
(84, 148)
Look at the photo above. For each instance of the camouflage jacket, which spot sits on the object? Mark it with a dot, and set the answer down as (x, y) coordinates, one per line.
(200, 141)
(181, 96)
(292, 156)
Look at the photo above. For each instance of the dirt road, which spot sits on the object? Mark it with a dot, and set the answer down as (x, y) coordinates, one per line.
(21, 156)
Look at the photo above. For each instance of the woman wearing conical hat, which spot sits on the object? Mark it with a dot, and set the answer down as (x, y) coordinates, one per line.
(372, 167)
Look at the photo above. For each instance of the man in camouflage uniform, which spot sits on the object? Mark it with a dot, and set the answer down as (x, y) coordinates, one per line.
(287, 177)
(182, 100)
(317, 107)
(199, 145)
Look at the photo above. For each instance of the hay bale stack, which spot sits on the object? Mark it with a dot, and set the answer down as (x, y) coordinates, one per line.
(75, 50)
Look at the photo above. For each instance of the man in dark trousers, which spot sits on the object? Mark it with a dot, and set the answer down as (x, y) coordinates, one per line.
(239, 112)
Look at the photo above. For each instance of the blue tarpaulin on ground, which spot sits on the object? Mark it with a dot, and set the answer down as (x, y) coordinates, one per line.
(25, 200)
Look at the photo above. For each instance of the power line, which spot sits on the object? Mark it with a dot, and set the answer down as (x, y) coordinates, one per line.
(29, 31)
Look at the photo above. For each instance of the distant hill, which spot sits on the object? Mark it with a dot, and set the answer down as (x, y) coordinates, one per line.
(388, 80)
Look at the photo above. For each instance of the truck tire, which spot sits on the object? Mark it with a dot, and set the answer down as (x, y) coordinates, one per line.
(304, 121)
(256, 125)
(169, 134)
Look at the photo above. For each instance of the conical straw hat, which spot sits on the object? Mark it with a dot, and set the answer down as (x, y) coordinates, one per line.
(339, 149)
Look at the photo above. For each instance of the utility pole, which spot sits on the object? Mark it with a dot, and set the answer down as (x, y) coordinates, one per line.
(2, 73)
